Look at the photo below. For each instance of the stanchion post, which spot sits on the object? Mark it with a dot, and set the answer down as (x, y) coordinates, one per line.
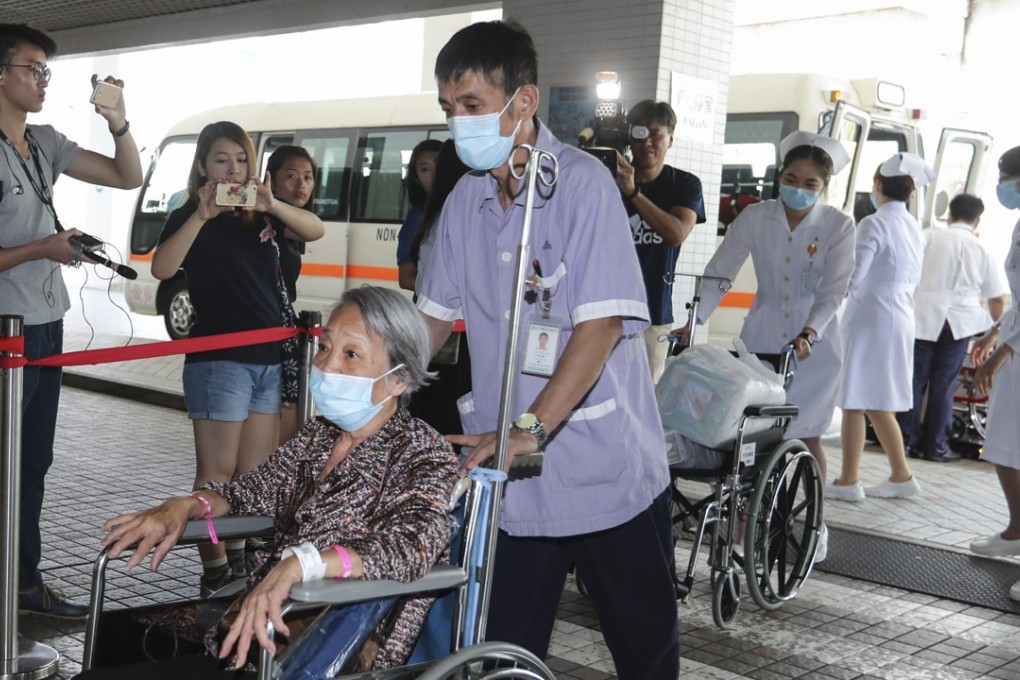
(22, 659)
(308, 321)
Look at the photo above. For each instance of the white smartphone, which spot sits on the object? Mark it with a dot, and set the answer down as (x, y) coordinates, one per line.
(106, 95)
(236, 195)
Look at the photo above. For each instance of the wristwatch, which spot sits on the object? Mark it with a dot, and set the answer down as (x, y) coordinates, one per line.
(529, 422)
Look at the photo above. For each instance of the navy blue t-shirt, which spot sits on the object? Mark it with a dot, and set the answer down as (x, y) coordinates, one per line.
(232, 270)
(670, 189)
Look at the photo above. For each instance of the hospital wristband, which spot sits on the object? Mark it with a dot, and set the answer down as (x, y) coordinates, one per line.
(345, 560)
(208, 517)
(308, 556)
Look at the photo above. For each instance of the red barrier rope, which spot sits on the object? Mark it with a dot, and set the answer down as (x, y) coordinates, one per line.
(150, 350)
(13, 345)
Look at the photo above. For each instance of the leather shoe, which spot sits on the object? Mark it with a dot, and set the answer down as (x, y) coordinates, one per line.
(46, 600)
(946, 456)
(995, 546)
(914, 452)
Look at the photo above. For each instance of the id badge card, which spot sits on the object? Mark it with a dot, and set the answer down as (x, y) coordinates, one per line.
(809, 281)
(542, 350)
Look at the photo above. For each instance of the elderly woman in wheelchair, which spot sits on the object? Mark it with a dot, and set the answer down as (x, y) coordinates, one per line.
(360, 492)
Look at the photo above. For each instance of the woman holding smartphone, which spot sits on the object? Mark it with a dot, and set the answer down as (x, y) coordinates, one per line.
(232, 263)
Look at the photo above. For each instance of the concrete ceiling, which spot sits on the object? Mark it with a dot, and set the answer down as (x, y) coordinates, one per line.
(102, 26)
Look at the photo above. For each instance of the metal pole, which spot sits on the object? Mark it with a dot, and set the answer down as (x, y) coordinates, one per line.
(309, 344)
(533, 175)
(22, 659)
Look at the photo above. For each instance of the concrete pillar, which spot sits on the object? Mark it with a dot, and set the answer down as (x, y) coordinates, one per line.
(674, 50)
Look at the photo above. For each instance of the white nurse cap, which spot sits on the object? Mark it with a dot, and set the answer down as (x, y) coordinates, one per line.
(908, 164)
(829, 145)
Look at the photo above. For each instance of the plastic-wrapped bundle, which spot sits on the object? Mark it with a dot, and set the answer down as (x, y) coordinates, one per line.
(703, 393)
(685, 454)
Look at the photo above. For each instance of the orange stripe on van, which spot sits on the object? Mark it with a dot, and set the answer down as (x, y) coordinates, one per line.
(147, 257)
(357, 271)
(737, 300)
(332, 270)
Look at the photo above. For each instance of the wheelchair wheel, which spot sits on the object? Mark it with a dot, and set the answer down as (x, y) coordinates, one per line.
(783, 520)
(489, 661)
(725, 597)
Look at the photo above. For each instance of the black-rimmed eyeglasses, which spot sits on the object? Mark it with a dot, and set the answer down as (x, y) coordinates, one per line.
(39, 71)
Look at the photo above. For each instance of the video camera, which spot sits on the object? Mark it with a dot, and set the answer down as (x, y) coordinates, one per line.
(610, 133)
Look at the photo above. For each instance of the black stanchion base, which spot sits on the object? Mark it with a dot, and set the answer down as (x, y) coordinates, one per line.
(35, 661)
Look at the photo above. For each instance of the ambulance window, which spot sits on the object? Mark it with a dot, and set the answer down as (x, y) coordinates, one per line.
(954, 175)
(881, 144)
(332, 157)
(168, 177)
(750, 158)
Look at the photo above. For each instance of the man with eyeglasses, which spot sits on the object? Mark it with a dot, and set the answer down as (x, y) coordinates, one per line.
(663, 204)
(32, 248)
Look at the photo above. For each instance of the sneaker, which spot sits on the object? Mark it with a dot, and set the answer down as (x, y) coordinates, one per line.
(889, 489)
(209, 585)
(1014, 592)
(822, 549)
(47, 600)
(853, 493)
(995, 546)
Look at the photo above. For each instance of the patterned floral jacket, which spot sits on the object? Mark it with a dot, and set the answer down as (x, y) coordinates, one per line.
(387, 501)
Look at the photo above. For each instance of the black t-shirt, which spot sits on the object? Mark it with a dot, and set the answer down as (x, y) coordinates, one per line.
(232, 270)
(671, 188)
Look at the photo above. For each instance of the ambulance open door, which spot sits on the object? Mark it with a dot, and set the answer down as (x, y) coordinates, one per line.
(959, 167)
(849, 125)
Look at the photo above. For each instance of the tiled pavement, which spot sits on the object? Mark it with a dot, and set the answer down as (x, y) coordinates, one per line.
(114, 455)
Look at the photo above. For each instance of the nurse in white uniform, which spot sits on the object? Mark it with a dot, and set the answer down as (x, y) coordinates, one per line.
(1000, 373)
(803, 255)
(878, 331)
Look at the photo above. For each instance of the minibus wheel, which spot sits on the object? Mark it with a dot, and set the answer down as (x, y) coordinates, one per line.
(179, 315)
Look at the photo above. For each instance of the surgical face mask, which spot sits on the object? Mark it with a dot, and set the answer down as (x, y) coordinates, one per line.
(797, 199)
(874, 200)
(1007, 194)
(345, 400)
(478, 141)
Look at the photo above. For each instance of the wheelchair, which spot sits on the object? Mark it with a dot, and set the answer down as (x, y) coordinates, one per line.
(765, 489)
(470, 658)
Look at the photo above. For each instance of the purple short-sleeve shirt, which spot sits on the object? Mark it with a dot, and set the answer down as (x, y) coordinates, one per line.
(607, 462)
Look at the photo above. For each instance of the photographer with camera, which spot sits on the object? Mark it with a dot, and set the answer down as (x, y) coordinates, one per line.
(32, 248)
(663, 204)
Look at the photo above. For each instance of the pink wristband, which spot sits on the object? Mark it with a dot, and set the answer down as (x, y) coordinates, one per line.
(345, 560)
(208, 517)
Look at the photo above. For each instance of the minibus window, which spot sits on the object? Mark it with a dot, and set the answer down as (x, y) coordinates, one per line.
(169, 176)
(379, 181)
(332, 156)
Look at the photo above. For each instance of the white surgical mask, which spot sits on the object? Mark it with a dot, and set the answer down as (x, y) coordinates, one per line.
(345, 400)
(478, 141)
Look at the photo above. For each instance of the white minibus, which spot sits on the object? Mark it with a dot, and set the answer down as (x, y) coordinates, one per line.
(361, 148)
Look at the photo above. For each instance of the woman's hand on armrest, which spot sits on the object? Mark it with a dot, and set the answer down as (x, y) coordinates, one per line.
(157, 529)
(264, 603)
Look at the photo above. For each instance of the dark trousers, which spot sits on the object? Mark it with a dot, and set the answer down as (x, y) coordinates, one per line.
(40, 399)
(937, 369)
(626, 570)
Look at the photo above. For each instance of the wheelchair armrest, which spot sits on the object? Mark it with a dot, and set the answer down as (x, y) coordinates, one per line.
(779, 411)
(228, 529)
(333, 591)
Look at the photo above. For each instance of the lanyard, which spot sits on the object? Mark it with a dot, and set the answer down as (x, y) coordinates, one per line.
(41, 189)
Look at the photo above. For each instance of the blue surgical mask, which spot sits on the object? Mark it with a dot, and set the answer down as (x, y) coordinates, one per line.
(797, 199)
(345, 400)
(874, 200)
(1008, 196)
(478, 141)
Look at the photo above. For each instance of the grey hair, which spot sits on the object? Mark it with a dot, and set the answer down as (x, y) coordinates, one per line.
(394, 318)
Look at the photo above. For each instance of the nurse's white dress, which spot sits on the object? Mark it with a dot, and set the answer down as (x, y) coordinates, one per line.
(878, 326)
(802, 279)
(1002, 432)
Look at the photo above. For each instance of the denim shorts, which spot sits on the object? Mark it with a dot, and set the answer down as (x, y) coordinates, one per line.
(228, 390)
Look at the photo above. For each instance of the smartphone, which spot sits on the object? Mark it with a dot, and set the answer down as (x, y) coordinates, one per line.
(236, 195)
(106, 95)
